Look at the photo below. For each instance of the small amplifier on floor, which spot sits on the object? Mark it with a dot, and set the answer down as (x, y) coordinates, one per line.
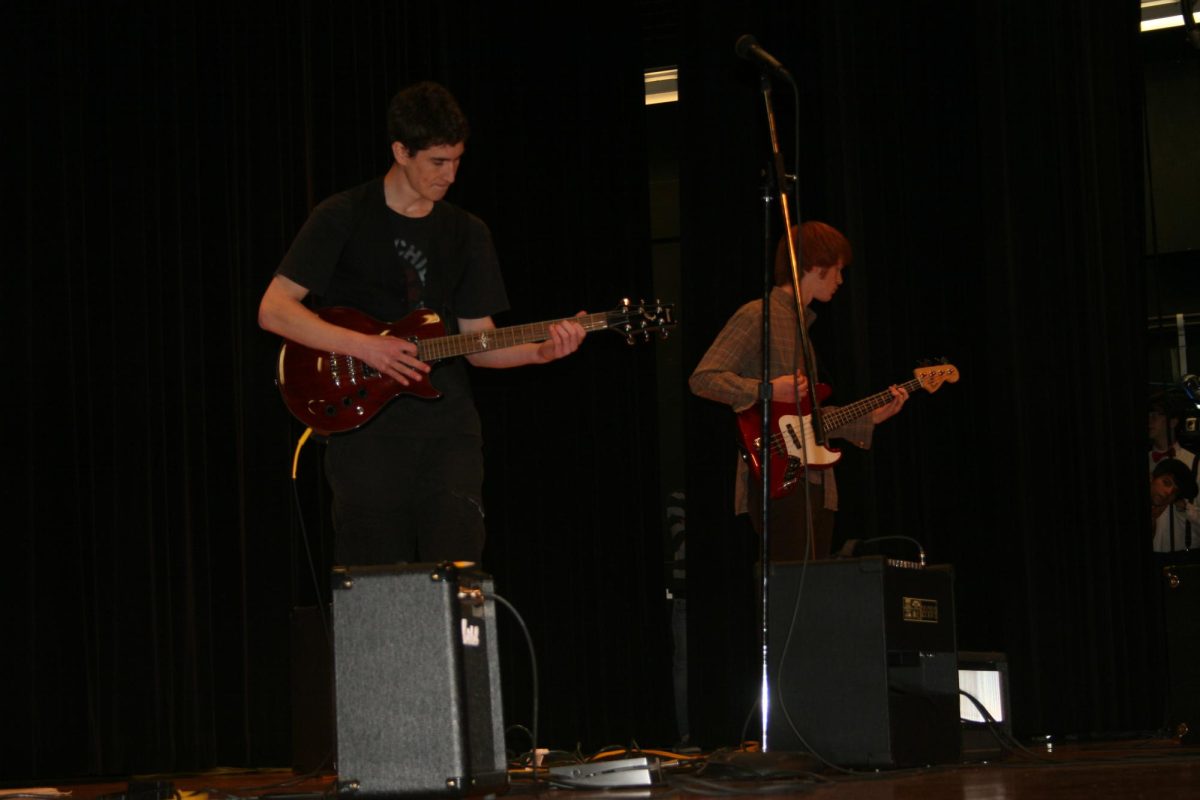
(417, 682)
(984, 676)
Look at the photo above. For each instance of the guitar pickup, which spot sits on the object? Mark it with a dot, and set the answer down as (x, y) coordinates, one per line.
(797, 444)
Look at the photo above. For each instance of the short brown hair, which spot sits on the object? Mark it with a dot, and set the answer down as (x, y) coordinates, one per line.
(820, 245)
(426, 115)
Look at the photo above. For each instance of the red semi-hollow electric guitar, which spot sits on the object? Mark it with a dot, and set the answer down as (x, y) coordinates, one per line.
(334, 393)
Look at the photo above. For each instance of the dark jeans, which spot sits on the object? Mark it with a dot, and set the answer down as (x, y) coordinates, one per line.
(399, 499)
(789, 523)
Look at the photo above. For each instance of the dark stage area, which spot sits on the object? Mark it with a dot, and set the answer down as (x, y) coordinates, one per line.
(1017, 183)
(1074, 771)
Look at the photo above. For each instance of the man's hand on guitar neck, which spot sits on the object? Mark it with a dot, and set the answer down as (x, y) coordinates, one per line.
(786, 388)
(899, 395)
(565, 338)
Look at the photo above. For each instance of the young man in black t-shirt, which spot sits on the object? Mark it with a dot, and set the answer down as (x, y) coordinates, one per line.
(407, 485)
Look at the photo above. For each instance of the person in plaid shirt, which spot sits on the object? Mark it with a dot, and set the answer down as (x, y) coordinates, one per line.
(731, 370)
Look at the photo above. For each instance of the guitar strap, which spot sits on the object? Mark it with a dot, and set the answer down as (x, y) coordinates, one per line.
(797, 360)
(449, 262)
(813, 357)
(368, 242)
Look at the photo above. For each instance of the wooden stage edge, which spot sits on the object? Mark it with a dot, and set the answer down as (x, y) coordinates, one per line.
(1162, 769)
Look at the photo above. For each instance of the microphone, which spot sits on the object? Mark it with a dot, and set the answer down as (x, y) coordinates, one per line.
(747, 47)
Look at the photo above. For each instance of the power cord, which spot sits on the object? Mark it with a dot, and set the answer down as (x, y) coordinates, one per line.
(326, 628)
(533, 735)
(1006, 740)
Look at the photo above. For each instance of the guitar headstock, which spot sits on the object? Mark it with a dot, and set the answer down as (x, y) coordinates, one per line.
(633, 320)
(932, 376)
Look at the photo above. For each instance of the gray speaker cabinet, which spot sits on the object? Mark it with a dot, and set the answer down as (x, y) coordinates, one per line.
(417, 682)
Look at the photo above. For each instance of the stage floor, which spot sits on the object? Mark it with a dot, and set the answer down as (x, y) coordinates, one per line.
(1153, 768)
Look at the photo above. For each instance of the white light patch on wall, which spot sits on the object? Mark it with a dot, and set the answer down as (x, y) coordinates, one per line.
(662, 86)
(1156, 15)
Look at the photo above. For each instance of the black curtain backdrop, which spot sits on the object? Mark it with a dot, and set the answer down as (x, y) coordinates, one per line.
(166, 155)
(982, 158)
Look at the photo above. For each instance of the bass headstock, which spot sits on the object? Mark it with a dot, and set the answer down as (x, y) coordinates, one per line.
(932, 376)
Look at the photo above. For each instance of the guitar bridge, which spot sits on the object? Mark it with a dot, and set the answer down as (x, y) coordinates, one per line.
(791, 471)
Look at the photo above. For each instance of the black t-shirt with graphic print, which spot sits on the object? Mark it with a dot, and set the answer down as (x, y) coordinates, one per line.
(355, 251)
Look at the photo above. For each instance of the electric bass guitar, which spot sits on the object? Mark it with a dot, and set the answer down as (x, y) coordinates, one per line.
(334, 393)
(793, 447)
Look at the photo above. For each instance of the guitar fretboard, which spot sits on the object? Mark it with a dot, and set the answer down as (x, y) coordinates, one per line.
(462, 344)
(839, 417)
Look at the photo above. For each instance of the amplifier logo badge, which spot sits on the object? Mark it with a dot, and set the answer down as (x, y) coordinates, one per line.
(470, 634)
(919, 609)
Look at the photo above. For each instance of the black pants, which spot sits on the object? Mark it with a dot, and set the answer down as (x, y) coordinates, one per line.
(401, 499)
(789, 523)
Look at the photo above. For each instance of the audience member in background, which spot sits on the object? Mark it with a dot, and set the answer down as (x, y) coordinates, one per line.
(1174, 519)
(1165, 413)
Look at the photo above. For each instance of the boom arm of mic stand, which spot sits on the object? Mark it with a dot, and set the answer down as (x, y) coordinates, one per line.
(806, 351)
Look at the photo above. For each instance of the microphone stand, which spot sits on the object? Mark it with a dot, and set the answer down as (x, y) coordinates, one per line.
(764, 440)
(806, 352)
(777, 174)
